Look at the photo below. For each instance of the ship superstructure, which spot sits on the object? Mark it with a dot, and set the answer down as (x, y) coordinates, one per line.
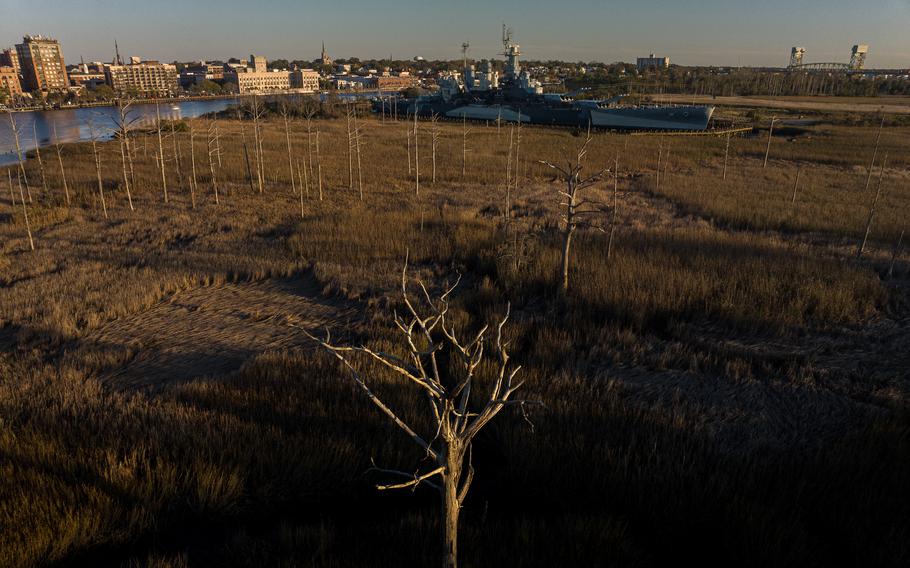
(482, 94)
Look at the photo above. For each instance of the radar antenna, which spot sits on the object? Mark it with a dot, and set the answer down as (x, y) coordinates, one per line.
(464, 53)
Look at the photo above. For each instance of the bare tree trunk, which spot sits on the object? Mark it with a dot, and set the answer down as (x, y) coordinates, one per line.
(161, 151)
(304, 179)
(464, 146)
(347, 115)
(416, 156)
(66, 191)
(246, 156)
(257, 140)
(15, 129)
(38, 155)
(517, 151)
(212, 147)
(770, 134)
(287, 135)
(359, 165)
(726, 156)
(306, 182)
(28, 227)
(660, 155)
(509, 165)
(796, 184)
(193, 167)
(878, 140)
(410, 169)
(615, 206)
(451, 507)
(435, 142)
(98, 170)
(176, 149)
(318, 164)
(123, 167)
(878, 193)
(566, 251)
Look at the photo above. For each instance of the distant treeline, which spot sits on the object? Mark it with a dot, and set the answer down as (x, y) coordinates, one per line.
(736, 82)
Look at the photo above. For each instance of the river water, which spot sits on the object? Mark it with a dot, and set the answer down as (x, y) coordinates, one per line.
(75, 125)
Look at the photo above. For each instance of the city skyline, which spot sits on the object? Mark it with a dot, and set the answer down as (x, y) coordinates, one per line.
(708, 34)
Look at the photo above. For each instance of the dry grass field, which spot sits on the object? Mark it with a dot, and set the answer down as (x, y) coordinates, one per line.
(730, 385)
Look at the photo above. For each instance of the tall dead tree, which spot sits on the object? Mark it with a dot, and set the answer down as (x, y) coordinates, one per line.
(894, 255)
(287, 135)
(615, 206)
(38, 156)
(464, 146)
(124, 123)
(408, 132)
(94, 138)
(878, 194)
(726, 156)
(192, 167)
(66, 190)
(15, 129)
(212, 150)
(348, 113)
(12, 193)
(246, 152)
(416, 156)
(160, 150)
(306, 183)
(878, 140)
(768, 148)
(434, 140)
(358, 143)
(446, 367)
(28, 226)
(176, 148)
(256, 110)
(796, 183)
(576, 206)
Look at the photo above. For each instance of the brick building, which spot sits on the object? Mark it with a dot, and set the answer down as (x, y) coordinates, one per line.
(41, 64)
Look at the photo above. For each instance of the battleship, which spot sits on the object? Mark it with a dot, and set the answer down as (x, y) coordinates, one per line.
(514, 96)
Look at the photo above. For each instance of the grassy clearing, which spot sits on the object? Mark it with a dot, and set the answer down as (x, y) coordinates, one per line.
(266, 466)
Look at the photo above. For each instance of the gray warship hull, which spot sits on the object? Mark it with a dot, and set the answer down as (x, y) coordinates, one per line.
(685, 118)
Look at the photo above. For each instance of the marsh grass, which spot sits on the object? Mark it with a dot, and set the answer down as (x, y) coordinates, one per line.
(267, 466)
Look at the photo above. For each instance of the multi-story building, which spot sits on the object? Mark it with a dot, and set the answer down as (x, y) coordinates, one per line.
(392, 82)
(259, 63)
(305, 80)
(149, 78)
(41, 63)
(9, 81)
(653, 61)
(257, 79)
(10, 58)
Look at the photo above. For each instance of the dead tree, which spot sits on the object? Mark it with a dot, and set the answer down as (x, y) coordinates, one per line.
(15, 129)
(796, 183)
(66, 191)
(517, 151)
(318, 164)
(161, 151)
(416, 156)
(576, 206)
(97, 156)
(878, 140)
(124, 124)
(28, 227)
(305, 182)
(256, 111)
(434, 140)
(38, 156)
(770, 134)
(347, 113)
(192, 167)
(287, 135)
(310, 112)
(449, 384)
(408, 132)
(176, 148)
(246, 153)
(464, 146)
(726, 156)
(212, 149)
(358, 143)
(878, 194)
(615, 206)
(509, 166)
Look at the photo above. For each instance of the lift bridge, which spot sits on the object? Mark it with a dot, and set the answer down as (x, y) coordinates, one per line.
(857, 61)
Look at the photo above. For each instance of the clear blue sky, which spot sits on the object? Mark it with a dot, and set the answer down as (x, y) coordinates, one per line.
(722, 32)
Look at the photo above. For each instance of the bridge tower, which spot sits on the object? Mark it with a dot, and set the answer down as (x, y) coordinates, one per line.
(796, 56)
(858, 56)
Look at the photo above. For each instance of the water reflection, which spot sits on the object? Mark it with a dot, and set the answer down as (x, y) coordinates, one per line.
(74, 125)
